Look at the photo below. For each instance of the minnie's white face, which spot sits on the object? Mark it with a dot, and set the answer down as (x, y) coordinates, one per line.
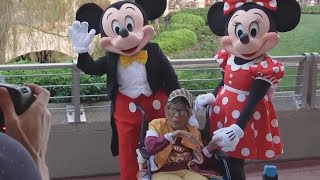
(248, 34)
(125, 30)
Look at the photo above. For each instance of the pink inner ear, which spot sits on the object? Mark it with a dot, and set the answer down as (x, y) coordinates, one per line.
(104, 42)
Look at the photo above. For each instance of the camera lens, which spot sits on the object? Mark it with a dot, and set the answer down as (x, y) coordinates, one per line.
(24, 90)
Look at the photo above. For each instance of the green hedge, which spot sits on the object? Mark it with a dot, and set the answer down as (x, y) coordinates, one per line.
(206, 46)
(187, 18)
(310, 10)
(58, 77)
(203, 12)
(175, 41)
(63, 77)
(177, 26)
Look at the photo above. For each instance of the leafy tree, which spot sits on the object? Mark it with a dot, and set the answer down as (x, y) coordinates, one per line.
(32, 16)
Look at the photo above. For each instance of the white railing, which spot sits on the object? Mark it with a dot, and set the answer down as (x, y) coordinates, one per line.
(304, 89)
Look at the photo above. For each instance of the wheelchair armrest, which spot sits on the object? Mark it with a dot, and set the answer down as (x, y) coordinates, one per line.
(222, 158)
(220, 153)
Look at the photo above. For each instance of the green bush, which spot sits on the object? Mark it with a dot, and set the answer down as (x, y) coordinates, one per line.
(190, 19)
(190, 79)
(174, 41)
(177, 26)
(310, 10)
(206, 47)
(21, 60)
(203, 12)
(55, 78)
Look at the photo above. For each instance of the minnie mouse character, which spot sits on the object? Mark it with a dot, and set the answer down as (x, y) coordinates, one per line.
(138, 73)
(242, 116)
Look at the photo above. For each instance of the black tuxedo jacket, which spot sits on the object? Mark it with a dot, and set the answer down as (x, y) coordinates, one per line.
(160, 75)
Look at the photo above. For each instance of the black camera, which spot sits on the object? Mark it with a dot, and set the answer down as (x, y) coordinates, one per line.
(21, 97)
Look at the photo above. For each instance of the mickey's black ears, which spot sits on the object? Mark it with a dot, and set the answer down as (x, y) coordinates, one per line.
(217, 20)
(90, 13)
(287, 15)
(153, 8)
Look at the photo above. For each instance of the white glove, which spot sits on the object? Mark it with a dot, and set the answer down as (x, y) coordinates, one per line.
(204, 99)
(79, 36)
(228, 137)
(193, 121)
(228, 149)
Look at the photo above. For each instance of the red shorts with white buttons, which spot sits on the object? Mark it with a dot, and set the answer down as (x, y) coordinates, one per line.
(128, 122)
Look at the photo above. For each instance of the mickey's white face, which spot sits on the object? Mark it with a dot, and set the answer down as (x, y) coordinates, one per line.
(125, 30)
(248, 34)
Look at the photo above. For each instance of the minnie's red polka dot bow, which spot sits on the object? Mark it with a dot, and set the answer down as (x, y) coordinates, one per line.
(230, 5)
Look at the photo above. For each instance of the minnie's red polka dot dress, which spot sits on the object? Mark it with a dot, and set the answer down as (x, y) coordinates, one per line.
(261, 136)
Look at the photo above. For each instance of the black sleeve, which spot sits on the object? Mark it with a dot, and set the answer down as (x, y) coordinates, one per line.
(258, 91)
(170, 78)
(90, 66)
(219, 85)
(15, 161)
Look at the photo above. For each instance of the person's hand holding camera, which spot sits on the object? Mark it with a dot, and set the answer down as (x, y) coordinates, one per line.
(32, 127)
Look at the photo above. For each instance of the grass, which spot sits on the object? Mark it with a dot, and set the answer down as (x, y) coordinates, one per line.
(304, 38)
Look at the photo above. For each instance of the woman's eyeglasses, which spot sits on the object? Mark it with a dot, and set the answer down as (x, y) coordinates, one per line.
(181, 112)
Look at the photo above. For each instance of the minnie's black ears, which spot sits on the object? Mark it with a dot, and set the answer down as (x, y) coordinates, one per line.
(287, 15)
(91, 13)
(217, 21)
(153, 8)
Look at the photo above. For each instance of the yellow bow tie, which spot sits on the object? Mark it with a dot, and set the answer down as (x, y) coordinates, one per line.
(141, 57)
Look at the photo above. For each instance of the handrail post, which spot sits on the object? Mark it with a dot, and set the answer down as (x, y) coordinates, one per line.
(299, 77)
(313, 78)
(305, 101)
(76, 91)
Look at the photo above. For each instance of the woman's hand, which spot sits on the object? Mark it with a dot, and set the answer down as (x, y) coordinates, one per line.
(32, 127)
(212, 145)
(186, 135)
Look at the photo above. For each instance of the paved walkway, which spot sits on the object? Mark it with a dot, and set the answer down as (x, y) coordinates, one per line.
(293, 170)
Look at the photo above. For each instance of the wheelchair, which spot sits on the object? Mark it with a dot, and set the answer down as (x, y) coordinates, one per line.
(219, 160)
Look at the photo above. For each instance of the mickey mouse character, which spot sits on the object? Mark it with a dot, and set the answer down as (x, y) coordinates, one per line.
(242, 115)
(138, 73)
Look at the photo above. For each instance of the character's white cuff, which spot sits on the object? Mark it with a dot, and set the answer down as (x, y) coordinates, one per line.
(206, 152)
(80, 50)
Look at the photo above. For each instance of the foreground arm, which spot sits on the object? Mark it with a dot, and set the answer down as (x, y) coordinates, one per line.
(32, 127)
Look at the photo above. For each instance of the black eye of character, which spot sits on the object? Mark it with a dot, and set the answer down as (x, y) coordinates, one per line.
(115, 26)
(253, 32)
(129, 23)
(129, 27)
(239, 30)
(239, 33)
(254, 29)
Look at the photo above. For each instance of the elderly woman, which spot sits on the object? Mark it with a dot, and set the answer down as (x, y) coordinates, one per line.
(175, 145)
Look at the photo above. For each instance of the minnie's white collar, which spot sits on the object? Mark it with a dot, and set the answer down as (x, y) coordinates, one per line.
(236, 67)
